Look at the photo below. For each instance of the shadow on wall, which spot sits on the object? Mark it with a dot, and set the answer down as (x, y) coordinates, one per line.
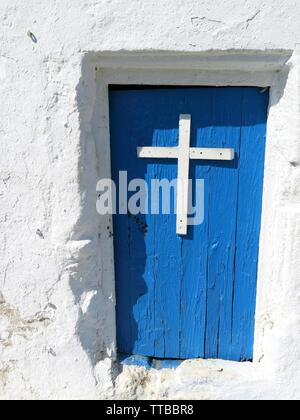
(91, 270)
(91, 277)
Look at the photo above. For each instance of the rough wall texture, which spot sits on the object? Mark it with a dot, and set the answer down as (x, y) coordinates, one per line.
(53, 343)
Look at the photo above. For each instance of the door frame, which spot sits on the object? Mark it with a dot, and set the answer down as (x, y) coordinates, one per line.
(265, 69)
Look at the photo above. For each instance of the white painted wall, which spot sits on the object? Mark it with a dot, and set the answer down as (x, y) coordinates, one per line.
(56, 293)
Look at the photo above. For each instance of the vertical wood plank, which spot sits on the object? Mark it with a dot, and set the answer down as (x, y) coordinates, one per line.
(194, 245)
(251, 170)
(167, 251)
(223, 183)
(183, 173)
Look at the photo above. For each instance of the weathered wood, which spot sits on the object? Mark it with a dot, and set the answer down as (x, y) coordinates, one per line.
(206, 153)
(190, 296)
(199, 153)
(183, 174)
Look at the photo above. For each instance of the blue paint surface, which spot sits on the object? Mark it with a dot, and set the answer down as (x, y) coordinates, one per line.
(191, 296)
(149, 362)
(142, 361)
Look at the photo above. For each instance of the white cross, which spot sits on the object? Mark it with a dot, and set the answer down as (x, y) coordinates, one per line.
(183, 153)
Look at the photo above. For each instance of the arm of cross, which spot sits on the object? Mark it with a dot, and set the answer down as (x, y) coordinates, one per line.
(196, 153)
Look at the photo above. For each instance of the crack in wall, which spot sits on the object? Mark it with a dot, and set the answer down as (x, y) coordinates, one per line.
(205, 24)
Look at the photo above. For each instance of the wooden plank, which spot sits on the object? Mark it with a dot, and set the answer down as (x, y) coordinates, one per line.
(168, 272)
(226, 120)
(205, 153)
(183, 174)
(199, 153)
(125, 322)
(132, 248)
(253, 139)
(193, 254)
(158, 152)
(166, 244)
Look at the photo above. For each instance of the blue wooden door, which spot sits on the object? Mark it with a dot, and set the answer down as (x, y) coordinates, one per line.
(190, 296)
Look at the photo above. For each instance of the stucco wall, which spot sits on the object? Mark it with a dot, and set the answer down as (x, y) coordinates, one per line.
(55, 303)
